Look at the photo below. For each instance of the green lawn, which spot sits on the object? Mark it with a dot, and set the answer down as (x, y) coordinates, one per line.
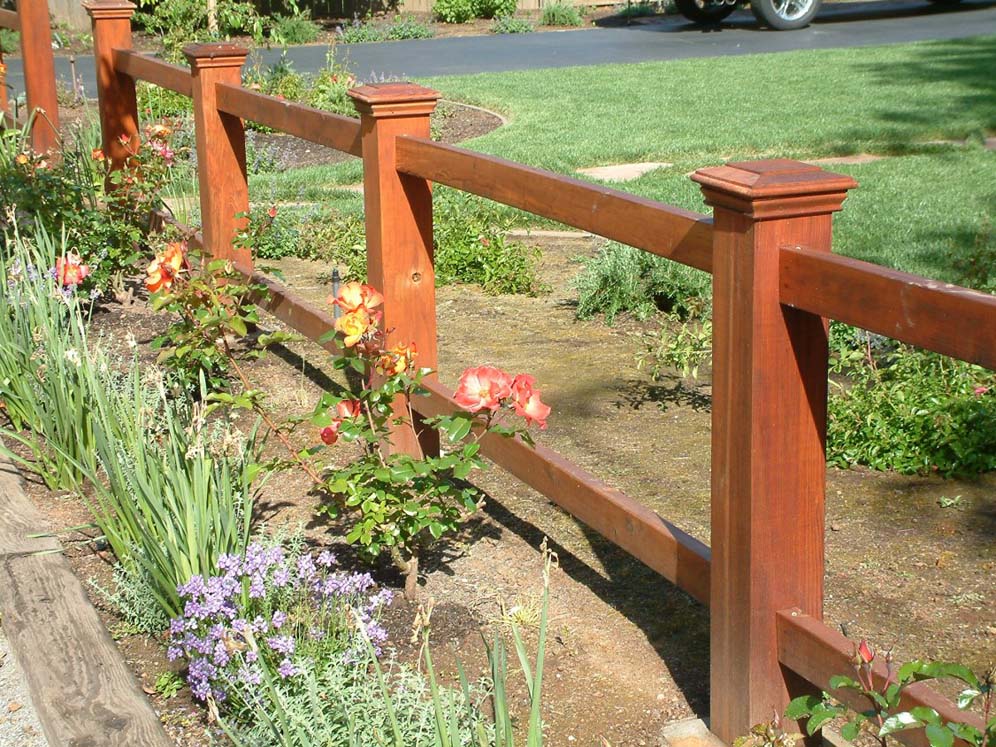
(916, 210)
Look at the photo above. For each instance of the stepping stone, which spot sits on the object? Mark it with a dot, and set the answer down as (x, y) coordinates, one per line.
(623, 172)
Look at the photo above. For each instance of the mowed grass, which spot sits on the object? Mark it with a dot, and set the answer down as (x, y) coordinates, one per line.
(918, 210)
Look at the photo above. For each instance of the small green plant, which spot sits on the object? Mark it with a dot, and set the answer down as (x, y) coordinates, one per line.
(168, 684)
(297, 28)
(620, 278)
(454, 11)
(156, 103)
(408, 27)
(511, 25)
(561, 14)
(359, 32)
(10, 41)
(637, 10)
(678, 346)
(883, 716)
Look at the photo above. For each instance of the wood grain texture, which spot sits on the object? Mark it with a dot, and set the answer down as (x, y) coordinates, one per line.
(223, 183)
(661, 229)
(138, 66)
(817, 653)
(9, 19)
(398, 213)
(768, 433)
(111, 24)
(81, 688)
(39, 73)
(676, 555)
(906, 307)
(313, 125)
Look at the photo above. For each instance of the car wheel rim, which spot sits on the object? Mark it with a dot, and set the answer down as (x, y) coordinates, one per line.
(792, 10)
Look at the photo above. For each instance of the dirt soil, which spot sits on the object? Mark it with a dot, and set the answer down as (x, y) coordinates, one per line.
(628, 652)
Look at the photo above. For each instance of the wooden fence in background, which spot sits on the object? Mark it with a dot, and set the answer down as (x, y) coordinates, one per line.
(31, 20)
(775, 284)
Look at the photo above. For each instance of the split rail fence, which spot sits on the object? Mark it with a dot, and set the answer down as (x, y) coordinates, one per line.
(775, 285)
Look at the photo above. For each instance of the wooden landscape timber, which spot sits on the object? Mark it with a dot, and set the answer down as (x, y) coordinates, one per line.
(81, 688)
(775, 284)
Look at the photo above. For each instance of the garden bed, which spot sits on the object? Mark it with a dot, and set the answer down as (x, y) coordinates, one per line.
(627, 653)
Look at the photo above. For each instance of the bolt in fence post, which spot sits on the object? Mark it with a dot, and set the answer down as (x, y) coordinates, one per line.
(221, 151)
(399, 228)
(39, 73)
(768, 430)
(111, 23)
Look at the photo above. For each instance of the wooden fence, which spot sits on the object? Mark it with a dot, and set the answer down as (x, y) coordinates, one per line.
(775, 284)
(31, 20)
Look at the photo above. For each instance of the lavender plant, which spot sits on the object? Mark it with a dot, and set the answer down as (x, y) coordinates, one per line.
(270, 617)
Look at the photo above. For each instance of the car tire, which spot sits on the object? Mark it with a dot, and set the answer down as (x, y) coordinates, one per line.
(703, 11)
(784, 15)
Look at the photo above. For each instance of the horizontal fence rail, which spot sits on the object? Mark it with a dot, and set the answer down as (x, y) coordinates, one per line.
(661, 229)
(896, 304)
(305, 122)
(9, 19)
(163, 74)
(817, 653)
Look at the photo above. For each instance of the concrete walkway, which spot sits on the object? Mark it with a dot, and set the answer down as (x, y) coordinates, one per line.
(838, 25)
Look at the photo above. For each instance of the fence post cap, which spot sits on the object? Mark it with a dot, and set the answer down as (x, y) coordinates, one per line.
(775, 188)
(394, 99)
(101, 9)
(221, 54)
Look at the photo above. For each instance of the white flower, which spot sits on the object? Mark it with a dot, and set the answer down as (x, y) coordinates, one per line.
(73, 356)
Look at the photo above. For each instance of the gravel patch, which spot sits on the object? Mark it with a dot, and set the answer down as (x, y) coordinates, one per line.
(19, 726)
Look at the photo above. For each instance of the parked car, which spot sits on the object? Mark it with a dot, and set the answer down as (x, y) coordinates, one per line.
(776, 14)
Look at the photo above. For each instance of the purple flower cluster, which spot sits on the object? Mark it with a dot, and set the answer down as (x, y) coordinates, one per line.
(271, 613)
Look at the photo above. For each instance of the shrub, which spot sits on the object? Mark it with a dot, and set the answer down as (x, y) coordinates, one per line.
(911, 411)
(359, 32)
(511, 25)
(155, 102)
(454, 11)
(10, 41)
(297, 28)
(620, 278)
(495, 8)
(561, 14)
(180, 22)
(637, 9)
(325, 90)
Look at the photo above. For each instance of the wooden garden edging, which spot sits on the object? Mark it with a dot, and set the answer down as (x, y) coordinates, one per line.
(31, 19)
(81, 687)
(775, 283)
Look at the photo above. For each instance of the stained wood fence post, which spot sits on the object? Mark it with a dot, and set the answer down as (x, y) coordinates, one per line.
(39, 73)
(221, 151)
(5, 112)
(768, 430)
(399, 227)
(111, 23)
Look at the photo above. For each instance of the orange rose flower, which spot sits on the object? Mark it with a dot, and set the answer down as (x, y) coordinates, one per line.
(354, 296)
(70, 270)
(353, 326)
(166, 267)
(483, 388)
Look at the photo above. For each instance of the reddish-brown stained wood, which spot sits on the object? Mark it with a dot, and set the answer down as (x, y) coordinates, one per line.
(143, 67)
(906, 307)
(768, 426)
(5, 114)
(39, 73)
(9, 19)
(398, 211)
(817, 653)
(221, 150)
(314, 125)
(661, 229)
(111, 22)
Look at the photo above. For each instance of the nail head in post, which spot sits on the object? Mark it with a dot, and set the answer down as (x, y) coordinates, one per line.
(108, 9)
(221, 54)
(394, 99)
(777, 188)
